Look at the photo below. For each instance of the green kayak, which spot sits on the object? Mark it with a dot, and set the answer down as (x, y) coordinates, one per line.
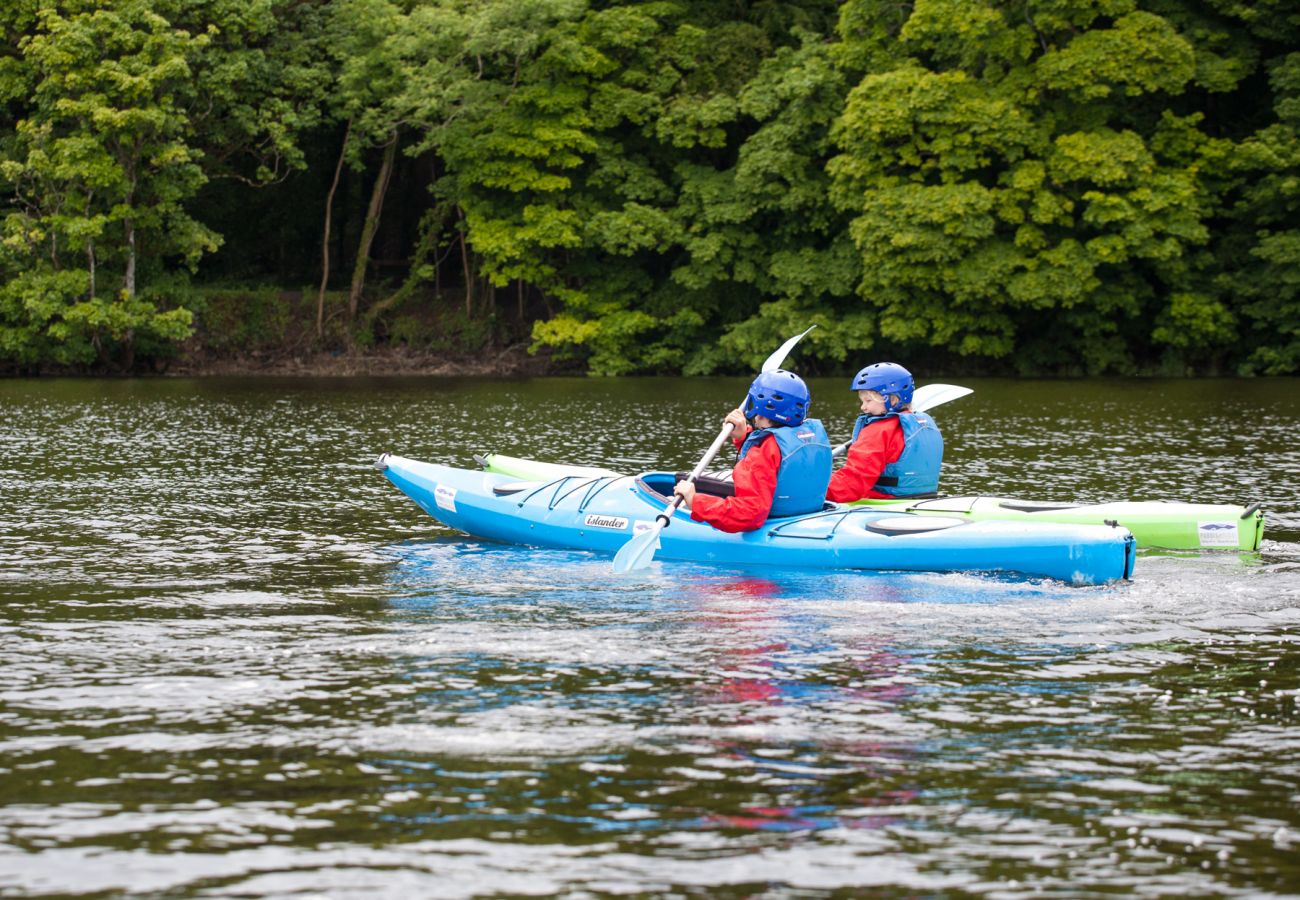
(1165, 524)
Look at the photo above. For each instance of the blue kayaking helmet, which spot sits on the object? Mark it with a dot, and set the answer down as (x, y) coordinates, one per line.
(780, 396)
(886, 378)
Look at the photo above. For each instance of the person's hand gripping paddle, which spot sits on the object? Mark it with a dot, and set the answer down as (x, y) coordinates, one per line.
(640, 550)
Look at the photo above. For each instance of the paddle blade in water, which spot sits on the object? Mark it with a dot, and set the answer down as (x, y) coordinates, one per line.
(637, 553)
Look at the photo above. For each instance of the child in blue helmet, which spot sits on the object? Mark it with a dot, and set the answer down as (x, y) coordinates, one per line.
(785, 459)
(895, 452)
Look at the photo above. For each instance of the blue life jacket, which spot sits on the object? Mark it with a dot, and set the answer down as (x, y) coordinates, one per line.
(916, 471)
(805, 471)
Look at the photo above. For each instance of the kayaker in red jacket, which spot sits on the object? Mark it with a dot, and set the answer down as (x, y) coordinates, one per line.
(785, 459)
(895, 452)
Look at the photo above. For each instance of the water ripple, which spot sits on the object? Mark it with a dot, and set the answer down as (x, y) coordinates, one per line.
(239, 664)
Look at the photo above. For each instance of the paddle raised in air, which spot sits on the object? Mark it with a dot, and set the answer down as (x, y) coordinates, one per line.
(927, 396)
(638, 552)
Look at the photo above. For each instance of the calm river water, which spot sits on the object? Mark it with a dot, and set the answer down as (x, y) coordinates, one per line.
(237, 663)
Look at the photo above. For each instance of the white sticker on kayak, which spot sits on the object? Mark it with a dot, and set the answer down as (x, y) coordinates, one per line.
(1217, 534)
(445, 497)
(617, 523)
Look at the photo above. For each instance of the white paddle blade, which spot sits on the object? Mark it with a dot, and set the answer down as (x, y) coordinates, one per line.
(928, 396)
(638, 552)
(776, 359)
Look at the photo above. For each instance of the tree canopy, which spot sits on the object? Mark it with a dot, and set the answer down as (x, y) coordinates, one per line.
(1039, 186)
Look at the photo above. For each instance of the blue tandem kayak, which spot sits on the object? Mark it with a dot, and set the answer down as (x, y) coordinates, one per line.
(602, 513)
(1171, 525)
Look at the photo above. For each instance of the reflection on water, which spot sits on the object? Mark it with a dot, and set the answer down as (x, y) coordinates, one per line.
(239, 664)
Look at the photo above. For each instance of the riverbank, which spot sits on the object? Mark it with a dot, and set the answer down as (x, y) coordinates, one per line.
(514, 360)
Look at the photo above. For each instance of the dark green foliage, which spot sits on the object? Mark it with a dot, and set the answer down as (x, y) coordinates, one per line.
(1076, 186)
(1264, 270)
(243, 321)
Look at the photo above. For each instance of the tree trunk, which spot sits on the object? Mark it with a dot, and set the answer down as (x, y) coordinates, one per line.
(464, 261)
(128, 280)
(325, 241)
(128, 287)
(426, 247)
(55, 262)
(370, 227)
(90, 253)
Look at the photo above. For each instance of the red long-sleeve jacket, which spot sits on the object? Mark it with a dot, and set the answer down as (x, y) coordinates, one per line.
(878, 445)
(755, 480)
